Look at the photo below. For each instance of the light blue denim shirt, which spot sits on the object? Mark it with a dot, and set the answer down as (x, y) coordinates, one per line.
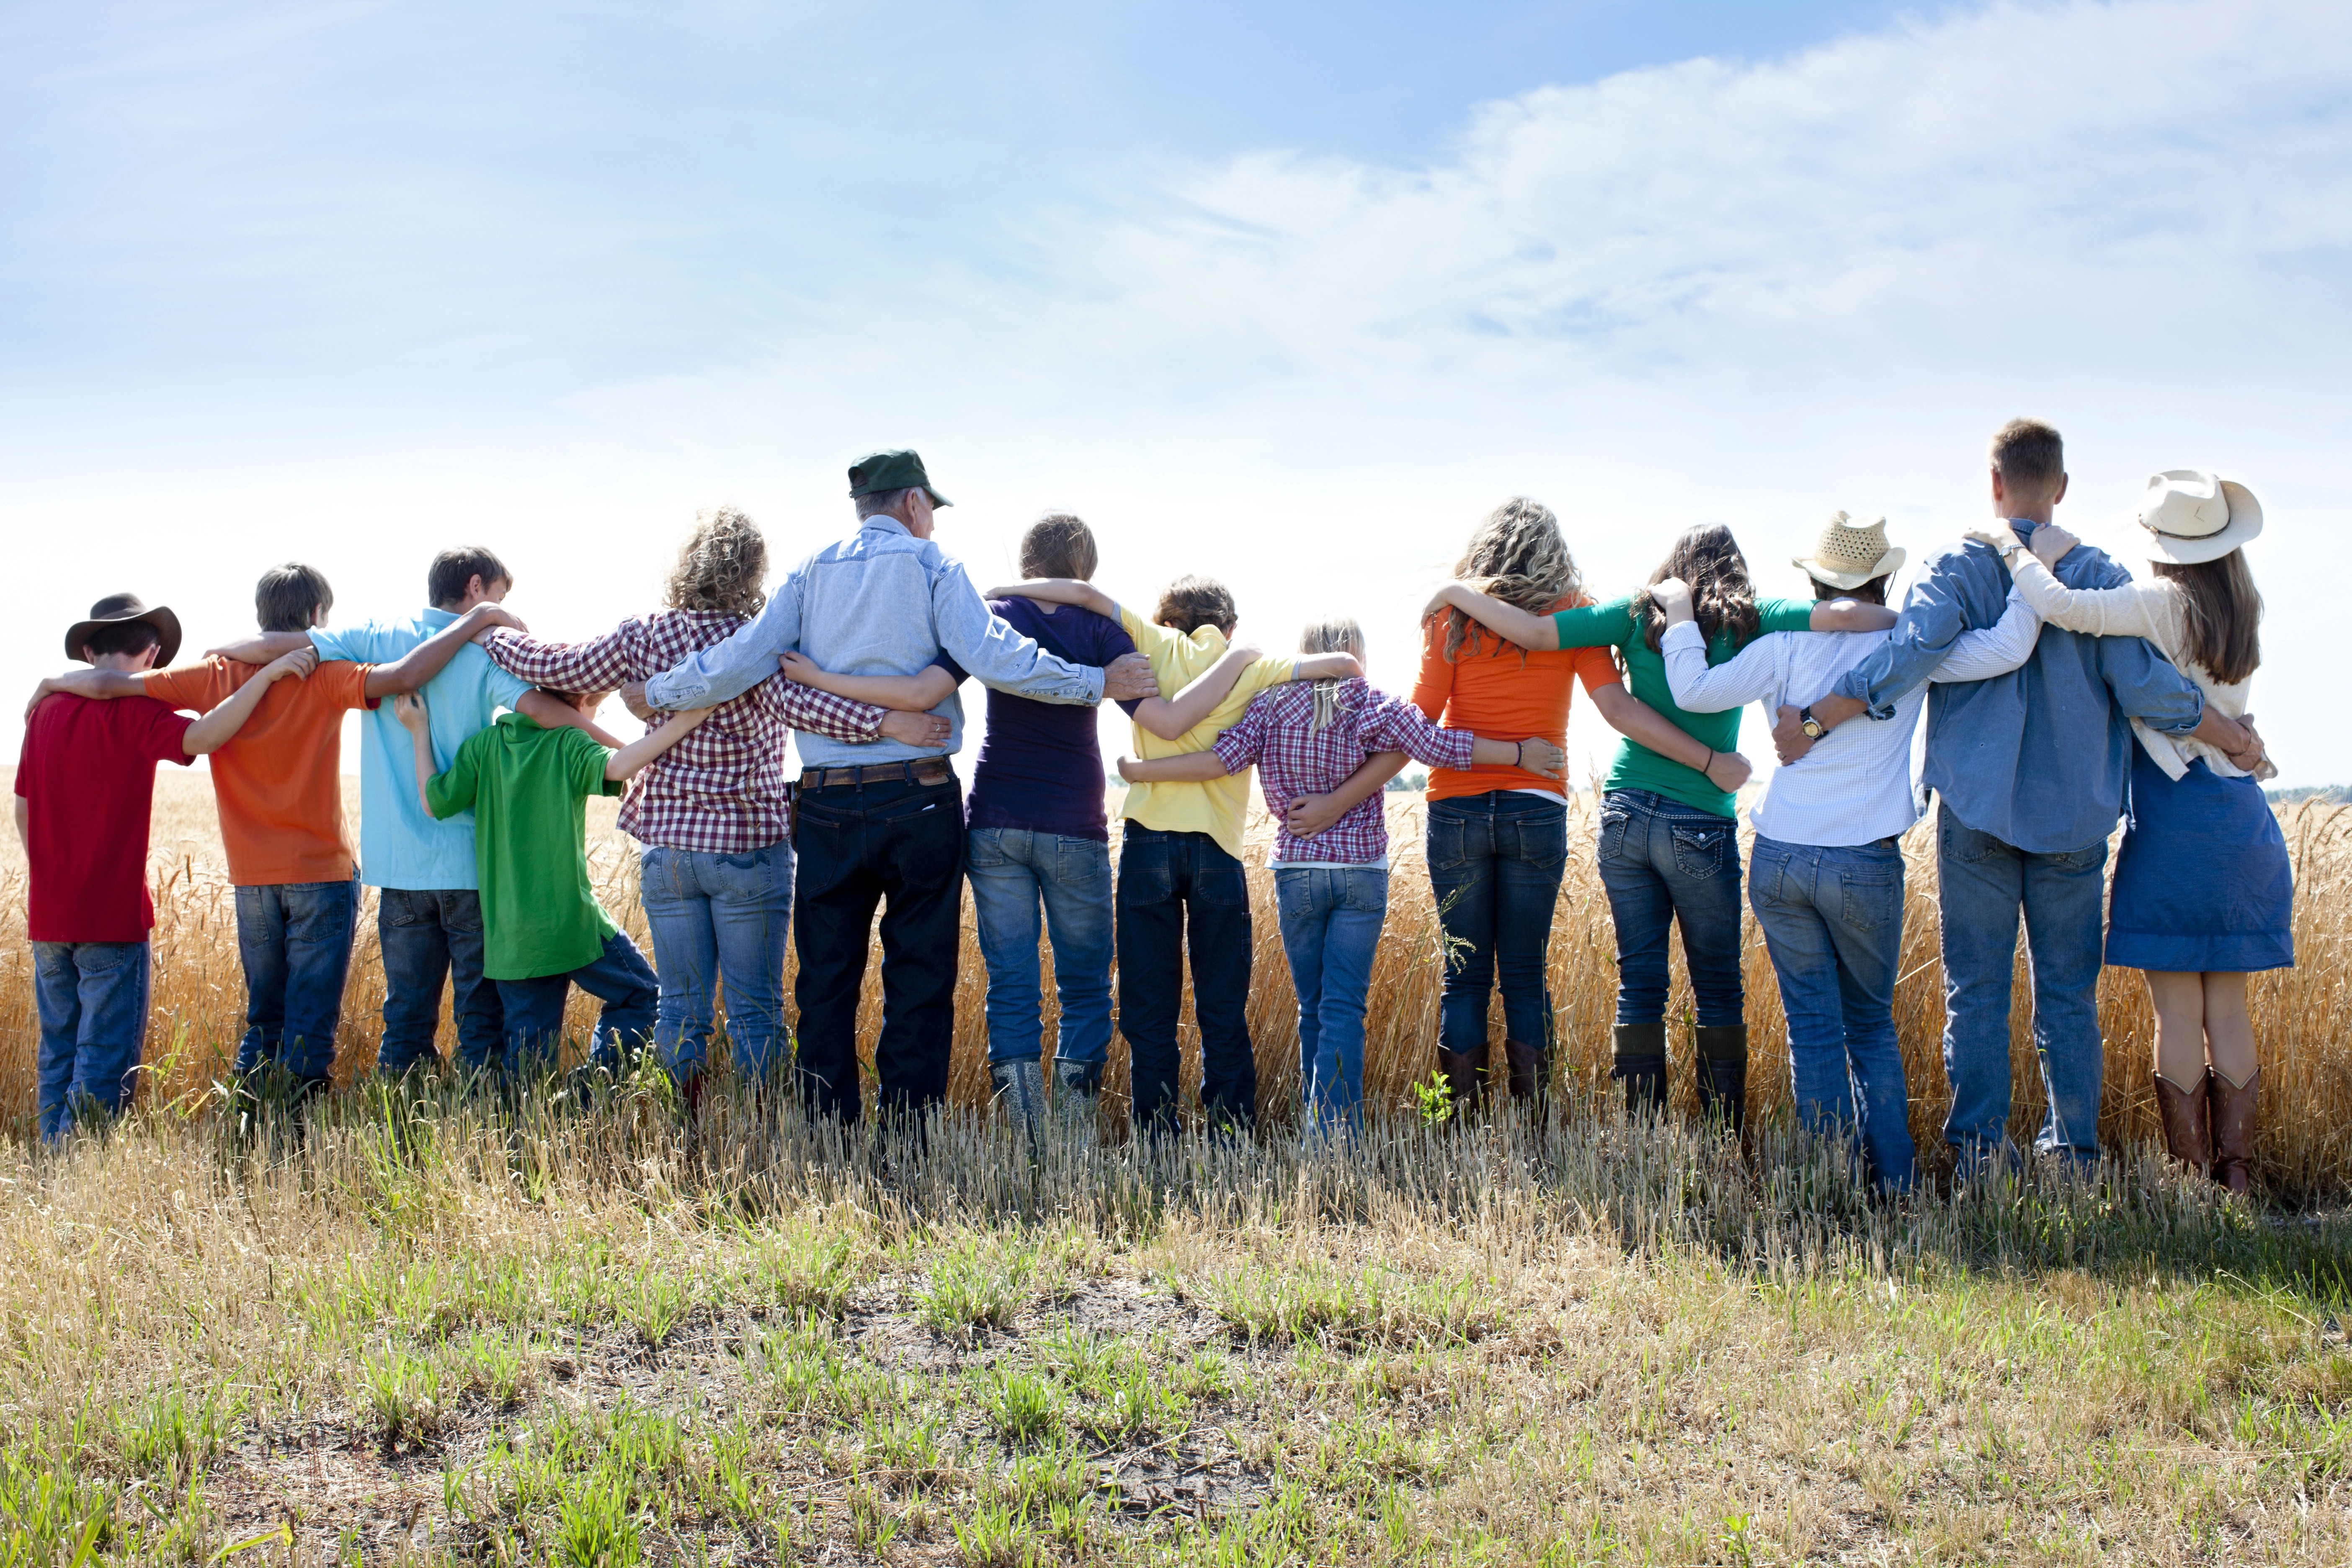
(881, 602)
(400, 846)
(2039, 758)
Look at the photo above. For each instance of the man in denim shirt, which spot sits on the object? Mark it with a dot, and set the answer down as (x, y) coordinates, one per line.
(2031, 767)
(882, 822)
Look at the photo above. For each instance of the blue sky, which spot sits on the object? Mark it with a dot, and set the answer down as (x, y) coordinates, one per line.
(1292, 294)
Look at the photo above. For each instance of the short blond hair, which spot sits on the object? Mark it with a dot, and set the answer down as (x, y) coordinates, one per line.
(720, 565)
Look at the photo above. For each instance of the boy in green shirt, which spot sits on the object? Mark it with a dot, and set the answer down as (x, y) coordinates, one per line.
(542, 930)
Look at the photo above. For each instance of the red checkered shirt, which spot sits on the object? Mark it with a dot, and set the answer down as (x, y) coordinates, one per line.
(720, 790)
(1294, 758)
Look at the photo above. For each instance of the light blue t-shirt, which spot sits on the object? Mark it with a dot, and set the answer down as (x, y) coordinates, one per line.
(400, 846)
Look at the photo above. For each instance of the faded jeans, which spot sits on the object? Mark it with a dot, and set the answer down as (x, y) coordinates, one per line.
(1013, 873)
(718, 918)
(295, 939)
(92, 997)
(1662, 862)
(1983, 884)
(1331, 920)
(1833, 919)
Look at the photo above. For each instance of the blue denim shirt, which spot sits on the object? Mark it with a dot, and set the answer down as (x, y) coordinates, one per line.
(2040, 757)
(881, 602)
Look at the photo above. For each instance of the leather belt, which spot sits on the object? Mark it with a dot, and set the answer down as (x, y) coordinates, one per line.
(918, 769)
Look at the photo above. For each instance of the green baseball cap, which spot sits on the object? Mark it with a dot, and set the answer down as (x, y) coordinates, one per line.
(901, 470)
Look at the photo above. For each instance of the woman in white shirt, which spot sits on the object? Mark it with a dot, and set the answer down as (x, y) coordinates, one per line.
(2204, 890)
(1825, 875)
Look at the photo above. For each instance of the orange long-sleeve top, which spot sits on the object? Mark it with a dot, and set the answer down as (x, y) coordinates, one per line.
(1504, 693)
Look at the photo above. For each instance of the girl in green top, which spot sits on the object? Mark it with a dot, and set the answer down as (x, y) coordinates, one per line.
(1668, 846)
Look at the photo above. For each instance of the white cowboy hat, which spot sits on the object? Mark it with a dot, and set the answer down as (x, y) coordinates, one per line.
(2188, 516)
(1848, 553)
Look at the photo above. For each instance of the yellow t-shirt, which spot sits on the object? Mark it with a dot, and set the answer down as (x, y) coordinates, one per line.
(1217, 807)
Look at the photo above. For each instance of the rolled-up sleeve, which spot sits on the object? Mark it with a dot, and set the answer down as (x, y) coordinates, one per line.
(1932, 620)
(1396, 725)
(995, 654)
(728, 669)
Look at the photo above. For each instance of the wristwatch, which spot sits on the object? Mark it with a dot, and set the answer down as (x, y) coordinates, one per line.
(1813, 727)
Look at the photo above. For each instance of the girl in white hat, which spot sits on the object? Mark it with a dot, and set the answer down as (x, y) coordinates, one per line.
(2204, 890)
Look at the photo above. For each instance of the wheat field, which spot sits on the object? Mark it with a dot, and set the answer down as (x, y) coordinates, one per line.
(2300, 1015)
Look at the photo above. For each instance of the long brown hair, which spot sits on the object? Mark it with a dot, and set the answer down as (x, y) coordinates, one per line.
(1722, 598)
(1519, 556)
(2224, 614)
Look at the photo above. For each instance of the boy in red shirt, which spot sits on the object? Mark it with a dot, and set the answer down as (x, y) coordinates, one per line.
(85, 787)
(279, 791)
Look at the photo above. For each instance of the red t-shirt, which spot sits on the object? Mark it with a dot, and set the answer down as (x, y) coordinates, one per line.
(87, 771)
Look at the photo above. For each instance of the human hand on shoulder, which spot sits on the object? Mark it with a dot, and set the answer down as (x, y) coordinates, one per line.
(41, 692)
(1448, 596)
(488, 617)
(1129, 678)
(2050, 544)
(1673, 597)
(298, 664)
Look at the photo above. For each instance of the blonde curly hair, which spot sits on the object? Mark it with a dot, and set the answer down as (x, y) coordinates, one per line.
(720, 565)
(1519, 556)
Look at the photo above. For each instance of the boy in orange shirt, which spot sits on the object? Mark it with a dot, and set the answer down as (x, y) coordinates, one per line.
(279, 791)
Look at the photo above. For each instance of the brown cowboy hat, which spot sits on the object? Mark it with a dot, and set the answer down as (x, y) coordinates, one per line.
(113, 610)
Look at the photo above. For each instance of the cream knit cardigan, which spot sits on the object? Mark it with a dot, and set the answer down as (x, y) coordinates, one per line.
(2154, 610)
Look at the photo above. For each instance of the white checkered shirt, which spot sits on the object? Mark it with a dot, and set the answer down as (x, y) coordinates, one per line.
(720, 791)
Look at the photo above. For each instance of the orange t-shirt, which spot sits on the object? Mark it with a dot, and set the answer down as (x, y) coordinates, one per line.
(278, 784)
(1504, 693)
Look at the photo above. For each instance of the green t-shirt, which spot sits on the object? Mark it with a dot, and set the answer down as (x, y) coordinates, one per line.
(529, 789)
(1612, 624)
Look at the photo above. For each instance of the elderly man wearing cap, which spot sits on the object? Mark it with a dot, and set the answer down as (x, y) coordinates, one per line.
(882, 823)
(2031, 767)
(1826, 873)
(85, 787)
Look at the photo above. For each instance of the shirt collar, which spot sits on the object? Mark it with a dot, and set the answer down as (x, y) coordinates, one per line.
(436, 617)
(885, 522)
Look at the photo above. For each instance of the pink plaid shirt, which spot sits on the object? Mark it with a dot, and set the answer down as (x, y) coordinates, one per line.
(1294, 758)
(720, 791)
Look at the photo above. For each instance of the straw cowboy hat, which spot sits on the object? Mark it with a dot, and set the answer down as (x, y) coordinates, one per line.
(1848, 553)
(116, 609)
(2186, 516)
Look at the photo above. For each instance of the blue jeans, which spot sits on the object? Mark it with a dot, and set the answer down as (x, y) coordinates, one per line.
(1495, 865)
(1984, 883)
(897, 844)
(92, 997)
(1168, 881)
(714, 918)
(430, 935)
(295, 939)
(1662, 862)
(1331, 923)
(1833, 919)
(1013, 870)
(620, 978)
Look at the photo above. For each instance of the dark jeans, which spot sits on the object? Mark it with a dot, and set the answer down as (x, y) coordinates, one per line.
(1495, 864)
(719, 920)
(295, 939)
(899, 845)
(1662, 862)
(430, 935)
(1982, 883)
(1163, 878)
(92, 997)
(1833, 918)
(620, 978)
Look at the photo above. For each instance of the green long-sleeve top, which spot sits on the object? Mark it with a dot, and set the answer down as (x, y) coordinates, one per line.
(1635, 766)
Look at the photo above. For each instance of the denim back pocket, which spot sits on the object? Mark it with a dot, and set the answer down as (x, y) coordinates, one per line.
(1224, 886)
(1699, 849)
(983, 847)
(1083, 865)
(1143, 872)
(1446, 841)
(1541, 838)
(1870, 897)
(1616, 821)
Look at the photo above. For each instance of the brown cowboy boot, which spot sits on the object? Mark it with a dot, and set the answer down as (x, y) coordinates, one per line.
(1639, 1059)
(1465, 1074)
(2182, 1110)
(2233, 1109)
(1525, 1064)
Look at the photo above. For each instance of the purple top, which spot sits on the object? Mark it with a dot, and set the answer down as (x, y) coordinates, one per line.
(1040, 766)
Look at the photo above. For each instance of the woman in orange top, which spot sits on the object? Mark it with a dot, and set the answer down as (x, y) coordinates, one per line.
(1497, 838)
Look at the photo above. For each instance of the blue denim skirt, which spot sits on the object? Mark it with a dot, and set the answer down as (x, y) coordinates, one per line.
(2203, 882)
